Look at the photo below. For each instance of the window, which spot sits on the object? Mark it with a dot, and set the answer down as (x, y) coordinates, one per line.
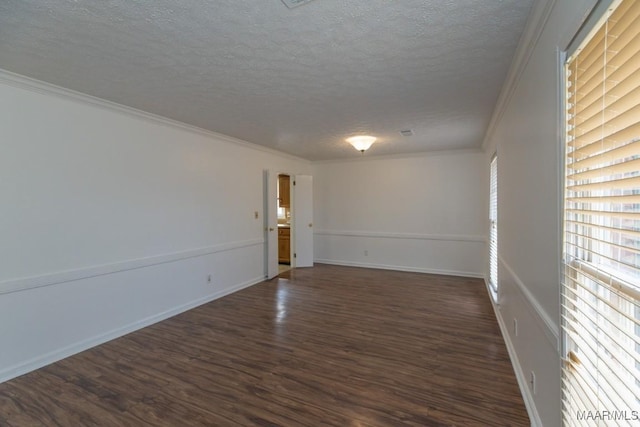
(601, 254)
(493, 229)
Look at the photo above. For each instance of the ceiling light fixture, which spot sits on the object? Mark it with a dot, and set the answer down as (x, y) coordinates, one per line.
(294, 3)
(361, 142)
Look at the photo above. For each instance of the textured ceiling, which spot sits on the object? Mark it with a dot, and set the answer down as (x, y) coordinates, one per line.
(298, 80)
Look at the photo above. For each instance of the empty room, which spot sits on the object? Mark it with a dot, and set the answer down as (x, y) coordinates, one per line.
(317, 212)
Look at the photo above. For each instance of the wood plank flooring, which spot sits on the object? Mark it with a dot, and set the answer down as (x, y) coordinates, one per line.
(324, 346)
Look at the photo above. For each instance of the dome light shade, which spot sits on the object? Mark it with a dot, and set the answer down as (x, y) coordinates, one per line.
(361, 142)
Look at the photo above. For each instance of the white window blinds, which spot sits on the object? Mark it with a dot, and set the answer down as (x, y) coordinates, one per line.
(493, 228)
(601, 286)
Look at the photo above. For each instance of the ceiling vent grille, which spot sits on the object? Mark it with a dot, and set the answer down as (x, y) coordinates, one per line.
(406, 132)
(294, 3)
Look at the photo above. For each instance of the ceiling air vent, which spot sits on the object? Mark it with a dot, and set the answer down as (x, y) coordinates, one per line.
(406, 132)
(294, 3)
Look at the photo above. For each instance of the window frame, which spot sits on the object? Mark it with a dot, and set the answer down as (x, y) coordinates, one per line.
(571, 361)
(493, 277)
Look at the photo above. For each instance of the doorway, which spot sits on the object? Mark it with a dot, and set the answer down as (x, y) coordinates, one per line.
(284, 211)
(294, 222)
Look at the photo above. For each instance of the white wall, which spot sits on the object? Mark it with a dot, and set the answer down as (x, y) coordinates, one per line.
(526, 137)
(422, 213)
(112, 219)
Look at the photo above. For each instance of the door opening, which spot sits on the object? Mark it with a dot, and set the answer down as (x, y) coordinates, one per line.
(288, 222)
(269, 189)
(284, 212)
(302, 224)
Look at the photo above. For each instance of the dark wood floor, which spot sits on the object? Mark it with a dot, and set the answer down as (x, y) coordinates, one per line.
(321, 346)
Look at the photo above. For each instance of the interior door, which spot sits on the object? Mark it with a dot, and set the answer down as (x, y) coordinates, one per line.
(302, 190)
(270, 223)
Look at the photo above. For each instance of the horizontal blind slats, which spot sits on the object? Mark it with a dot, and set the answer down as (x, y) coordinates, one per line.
(615, 390)
(634, 216)
(493, 226)
(634, 198)
(589, 103)
(621, 54)
(617, 184)
(630, 233)
(624, 16)
(601, 250)
(587, 83)
(588, 354)
(599, 274)
(578, 401)
(606, 378)
(576, 299)
(604, 171)
(617, 102)
(604, 242)
(582, 394)
(605, 280)
(591, 57)
(615, 140)
(601, 253)
(579, 313)
(619, 122)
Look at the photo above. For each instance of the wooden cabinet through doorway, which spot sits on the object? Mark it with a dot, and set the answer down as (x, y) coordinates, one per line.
(284, 245)
(284, 191)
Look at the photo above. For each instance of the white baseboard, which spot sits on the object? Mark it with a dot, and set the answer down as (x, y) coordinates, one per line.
(523, 383)
(54, 356)
(401, 268)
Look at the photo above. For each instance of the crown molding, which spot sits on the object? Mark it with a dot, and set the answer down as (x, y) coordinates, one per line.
(538, 18)
(38, 86)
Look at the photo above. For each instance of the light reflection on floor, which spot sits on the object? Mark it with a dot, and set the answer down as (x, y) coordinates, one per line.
(282, 295)
(283, 267)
